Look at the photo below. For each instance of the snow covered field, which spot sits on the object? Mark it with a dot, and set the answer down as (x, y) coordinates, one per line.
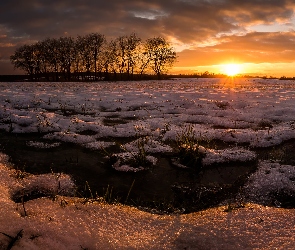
(254, 111)
(244, 114)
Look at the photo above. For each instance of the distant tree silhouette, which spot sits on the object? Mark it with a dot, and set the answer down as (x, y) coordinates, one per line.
(127, 49)
(66, 55)
(91, 57)
(89, 50)
(96, 42)
(24, 58)
(110, 59)
(160, 54)
(52, 52)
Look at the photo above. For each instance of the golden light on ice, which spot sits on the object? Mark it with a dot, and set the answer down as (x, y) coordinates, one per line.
(232, 69)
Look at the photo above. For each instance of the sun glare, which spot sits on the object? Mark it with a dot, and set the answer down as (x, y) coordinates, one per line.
(232, 69)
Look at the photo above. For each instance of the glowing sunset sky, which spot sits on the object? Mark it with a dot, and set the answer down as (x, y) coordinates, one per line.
(259, 34)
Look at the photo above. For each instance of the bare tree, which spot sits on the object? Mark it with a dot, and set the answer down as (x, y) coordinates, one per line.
(161, 55)
(142, 60)
(121, 54)
(43, 67)
(52, 54)
(24, 58)
(84, 54)
(89, 49)
(95, 42)
(110, 59)
(126, 49)
(66, 54)
(133, 42)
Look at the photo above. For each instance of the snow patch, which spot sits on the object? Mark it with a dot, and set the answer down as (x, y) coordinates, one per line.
(269, 179)
(37, 144)
(228, 155)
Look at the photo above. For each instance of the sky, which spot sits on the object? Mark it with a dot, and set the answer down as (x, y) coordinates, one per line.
(258, 34)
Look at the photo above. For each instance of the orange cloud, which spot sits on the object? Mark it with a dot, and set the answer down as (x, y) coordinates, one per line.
(255, 47)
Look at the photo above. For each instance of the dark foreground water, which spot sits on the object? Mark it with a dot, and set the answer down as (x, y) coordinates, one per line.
(163, 186)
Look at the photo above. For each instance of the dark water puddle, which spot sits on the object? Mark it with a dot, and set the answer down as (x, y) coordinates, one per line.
(283, 153)
(163, 187)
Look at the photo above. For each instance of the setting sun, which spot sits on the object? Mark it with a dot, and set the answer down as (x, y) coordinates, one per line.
(232, 69)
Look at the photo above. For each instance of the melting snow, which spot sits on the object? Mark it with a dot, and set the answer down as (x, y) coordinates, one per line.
(228, 155)
(255, 112)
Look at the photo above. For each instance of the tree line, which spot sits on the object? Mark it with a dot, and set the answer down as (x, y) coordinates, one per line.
(92, 57)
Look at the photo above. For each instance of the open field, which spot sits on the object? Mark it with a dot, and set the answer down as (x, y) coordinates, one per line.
(177, 146)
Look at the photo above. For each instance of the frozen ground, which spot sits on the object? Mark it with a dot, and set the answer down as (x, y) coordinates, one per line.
(68, 223)
(245, 113)
(255, 111)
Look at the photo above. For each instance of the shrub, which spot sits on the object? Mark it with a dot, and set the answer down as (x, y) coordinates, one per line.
(189, 152)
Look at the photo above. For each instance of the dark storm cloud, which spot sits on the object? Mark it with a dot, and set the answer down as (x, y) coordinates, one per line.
(183, 19)
(189, 21)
